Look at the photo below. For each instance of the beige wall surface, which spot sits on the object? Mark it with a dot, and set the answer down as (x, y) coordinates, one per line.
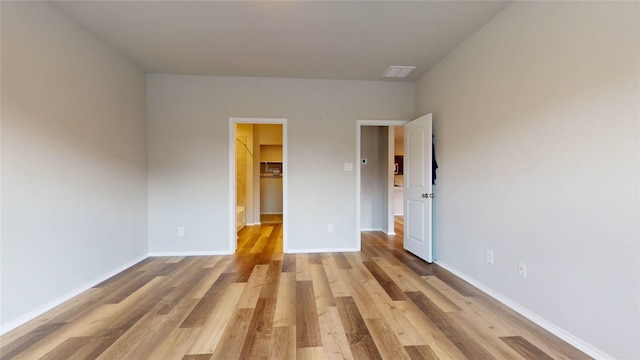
(73, 160)
(188, 134)
(536, 119)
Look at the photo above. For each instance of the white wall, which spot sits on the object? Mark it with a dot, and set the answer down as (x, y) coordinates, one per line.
(73, 160)
(188, 153)
(536, 118)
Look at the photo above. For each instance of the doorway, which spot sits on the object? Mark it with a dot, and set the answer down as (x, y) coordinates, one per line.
(257, 175)
(379, 200)
(417, 189)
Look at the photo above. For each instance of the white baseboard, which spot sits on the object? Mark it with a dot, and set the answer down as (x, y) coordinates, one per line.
(552, 328)
(188, 253)
(377, 229)
(61, 299)
(391, 233)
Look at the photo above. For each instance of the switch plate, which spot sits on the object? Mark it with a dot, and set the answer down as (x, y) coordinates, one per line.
(348, 166)
(522, 270)
(490, 256)
(181, 231)
(330, 228)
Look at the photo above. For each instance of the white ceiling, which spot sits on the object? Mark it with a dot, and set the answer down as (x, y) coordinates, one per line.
(355, 40)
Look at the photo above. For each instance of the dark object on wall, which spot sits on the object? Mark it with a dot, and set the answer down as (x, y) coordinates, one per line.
(434, 163)
(399, 165)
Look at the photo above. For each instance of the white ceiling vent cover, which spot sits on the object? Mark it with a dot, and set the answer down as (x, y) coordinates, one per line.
(398, 71)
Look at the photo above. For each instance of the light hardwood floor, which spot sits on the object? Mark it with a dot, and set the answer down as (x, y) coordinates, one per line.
(379, 303)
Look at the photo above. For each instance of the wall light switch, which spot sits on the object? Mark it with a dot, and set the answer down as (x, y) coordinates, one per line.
(348, 166)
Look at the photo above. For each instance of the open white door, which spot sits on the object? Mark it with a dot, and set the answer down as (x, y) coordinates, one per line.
(417, 187)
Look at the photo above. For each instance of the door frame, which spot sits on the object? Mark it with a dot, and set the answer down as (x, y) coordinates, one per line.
(359, 125)
(233, 240)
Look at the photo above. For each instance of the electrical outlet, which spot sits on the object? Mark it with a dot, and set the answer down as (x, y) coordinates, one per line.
(522, 270)
(490, 256)
(330, 228)
(181, 231)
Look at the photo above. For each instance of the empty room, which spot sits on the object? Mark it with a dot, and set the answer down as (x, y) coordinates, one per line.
(319, 180)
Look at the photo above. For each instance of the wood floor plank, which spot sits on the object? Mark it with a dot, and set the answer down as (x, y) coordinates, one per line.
(286, 301)
(204, 285)
(342, 261)
(219, 319)
(289, 263)
(252, 290)
(525, 348)
(283, 343)
(362, 297)
(242, 266)
(464, 288)
(394, 291)
(334, 339)
(315, 259)
(427, 330)
(321, 287)
(176, 296)
(197, 357)
(339, 285)
(198, 316)
(130, 288)
(316, 353)
(397, 273)
(175, 344)
(391, 313)
(77, 306)
(303, 272)
(271, 280)
(421, 352)
(463, 341)
(66, 349)
(230, 344)
(360, 340)
(258, 340)
(307, 327)
(386, 341)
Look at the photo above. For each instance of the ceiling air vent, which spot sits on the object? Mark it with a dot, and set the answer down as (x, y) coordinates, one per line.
(398, 71)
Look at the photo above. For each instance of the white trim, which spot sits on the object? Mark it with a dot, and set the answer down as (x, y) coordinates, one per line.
(378, 229)
(232, 178)
(23, 319)
(391, 159)
(315, 251)
(189, 253)
(391, 233)
(538, 320)
(359, 125)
